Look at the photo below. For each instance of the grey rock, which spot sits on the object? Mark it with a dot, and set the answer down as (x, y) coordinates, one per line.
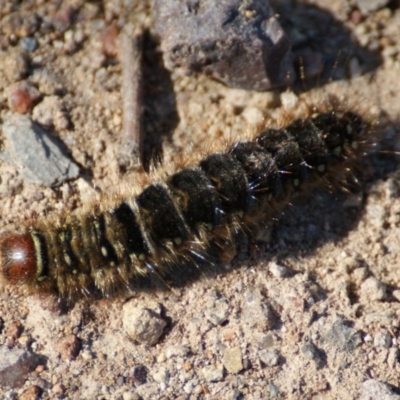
(373, 290)
(142, 324)
(213, 373)
(239, 43)
(343, 337)
(15, 364)
(39, 158)
(266, 341)
(217, 308)
(382, 339)
(269, 357)
(256, 312)
(232, 360)
(376, 390)
(311, 352)
(28, 43)
(272, 391)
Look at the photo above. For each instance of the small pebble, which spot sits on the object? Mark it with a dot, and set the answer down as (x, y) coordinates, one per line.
(310, 351)
(142, 324)
(24, 340)
(382, 339)
(14, 64)
(266, 341)
(70, 347)
(22, 96)
(213, 373)
(188, 387)
(256, 312)
(232, 360)
(178, 350)
(40, 368)
(368, 338)
(269, 357)
(343, 337)
(376, 390)
(272, 391)
(373, 290)
(396, 295)
(62, 18)
(86, 355)
(108, 39)
(217, 308)
(28, 43)
(15, 365)
(139, 375)
(162, 375)
(278, 271)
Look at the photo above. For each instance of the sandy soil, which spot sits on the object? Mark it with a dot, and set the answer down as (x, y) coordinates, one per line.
(311, 315)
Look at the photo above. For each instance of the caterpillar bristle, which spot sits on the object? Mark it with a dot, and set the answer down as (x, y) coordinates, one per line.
(176, 221)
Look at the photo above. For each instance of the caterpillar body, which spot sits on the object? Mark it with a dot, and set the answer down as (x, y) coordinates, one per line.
(176, 224)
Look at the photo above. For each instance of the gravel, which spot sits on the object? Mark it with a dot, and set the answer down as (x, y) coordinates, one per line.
(331, 243)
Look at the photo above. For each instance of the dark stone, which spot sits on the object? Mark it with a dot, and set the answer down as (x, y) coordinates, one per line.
(239, 43)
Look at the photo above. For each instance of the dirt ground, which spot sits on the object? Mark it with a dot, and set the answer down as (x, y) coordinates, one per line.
(312, 314)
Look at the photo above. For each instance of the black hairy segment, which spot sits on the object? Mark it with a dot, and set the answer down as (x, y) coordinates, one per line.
(189, 219)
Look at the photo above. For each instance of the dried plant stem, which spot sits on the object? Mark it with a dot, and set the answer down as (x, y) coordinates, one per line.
(130, 55)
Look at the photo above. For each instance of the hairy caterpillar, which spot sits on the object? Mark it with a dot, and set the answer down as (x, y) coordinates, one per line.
(177, 222)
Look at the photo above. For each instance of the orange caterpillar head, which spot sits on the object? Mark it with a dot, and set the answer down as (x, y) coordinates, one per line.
(18, 258)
